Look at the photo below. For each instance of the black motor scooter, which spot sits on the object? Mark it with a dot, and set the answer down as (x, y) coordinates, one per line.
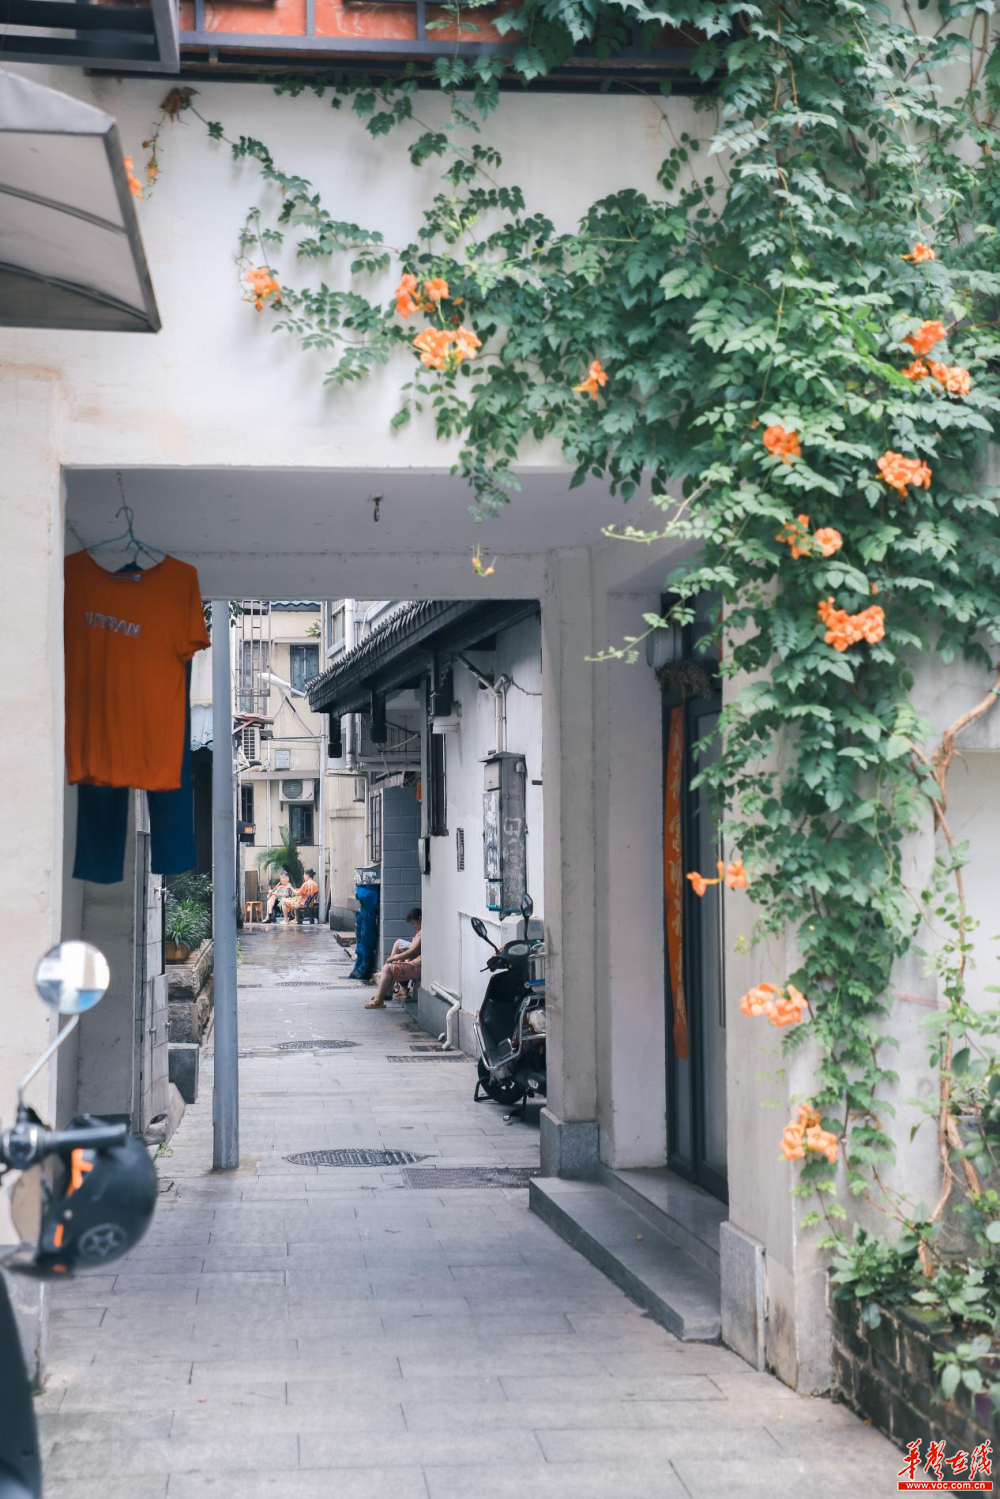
(510, 1026)
(94, 1201)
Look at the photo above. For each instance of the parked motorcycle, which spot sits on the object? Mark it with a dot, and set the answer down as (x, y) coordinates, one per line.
(510, 1026)
(90, 1195)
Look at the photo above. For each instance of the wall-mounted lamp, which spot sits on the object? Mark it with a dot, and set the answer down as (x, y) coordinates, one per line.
(665, 645)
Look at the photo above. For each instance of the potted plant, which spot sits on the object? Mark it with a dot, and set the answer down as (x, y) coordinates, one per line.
(186, 926)
(284, 855)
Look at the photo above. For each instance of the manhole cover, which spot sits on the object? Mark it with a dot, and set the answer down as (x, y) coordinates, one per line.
(314, 1045)
(430, 1056)
(436, 1178)
(354, 1158)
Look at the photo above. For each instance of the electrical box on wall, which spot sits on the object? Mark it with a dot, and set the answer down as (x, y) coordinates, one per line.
(505, 832)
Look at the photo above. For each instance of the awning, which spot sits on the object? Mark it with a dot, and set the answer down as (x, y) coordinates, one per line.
(117, 37)
(401, 650)
(70, 251)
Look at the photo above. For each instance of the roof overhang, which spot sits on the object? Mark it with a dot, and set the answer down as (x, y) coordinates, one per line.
(404, 649)
(117, 37)
(71, 255)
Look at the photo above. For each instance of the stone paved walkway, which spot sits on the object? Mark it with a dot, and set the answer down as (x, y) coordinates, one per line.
(294, 1332)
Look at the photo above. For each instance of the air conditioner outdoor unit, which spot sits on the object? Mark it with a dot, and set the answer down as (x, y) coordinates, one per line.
(250, 745)
(297, 791)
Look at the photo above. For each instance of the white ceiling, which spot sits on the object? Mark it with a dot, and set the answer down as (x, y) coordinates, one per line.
(311, 533)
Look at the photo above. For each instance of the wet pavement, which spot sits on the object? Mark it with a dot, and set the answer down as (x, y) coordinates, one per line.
(340, 1332)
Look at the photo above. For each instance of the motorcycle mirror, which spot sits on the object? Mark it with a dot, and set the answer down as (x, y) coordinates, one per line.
(73, 977)
(479, 927)
(527, 906)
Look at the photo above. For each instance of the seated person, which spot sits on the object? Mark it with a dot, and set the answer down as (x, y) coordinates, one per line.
(298, 897)
(403, 965)
(278, 891)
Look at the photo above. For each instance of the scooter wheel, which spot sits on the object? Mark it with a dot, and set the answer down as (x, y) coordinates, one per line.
(508, 1091)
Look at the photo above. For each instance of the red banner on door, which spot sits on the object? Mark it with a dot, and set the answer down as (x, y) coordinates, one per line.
(673, 880)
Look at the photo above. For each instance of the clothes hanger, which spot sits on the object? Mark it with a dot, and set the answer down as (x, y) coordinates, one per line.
(155, 554)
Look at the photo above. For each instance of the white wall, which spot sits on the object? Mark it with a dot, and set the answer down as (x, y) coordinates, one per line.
(31, 715)
(453, 954)
(216, 386)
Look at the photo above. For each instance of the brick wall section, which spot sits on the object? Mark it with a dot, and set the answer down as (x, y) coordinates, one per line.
(886, 1374)
(400, 868)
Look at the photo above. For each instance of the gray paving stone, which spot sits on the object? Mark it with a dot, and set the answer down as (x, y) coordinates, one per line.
(462, 1446)
(139, 1457)
(663, 1387)
(342, 1483)
(205, 1422)
(107, 1488)
(558, 1481)
(423, 1414)
(787, 1478)
(297, 1333)
(631, 1446)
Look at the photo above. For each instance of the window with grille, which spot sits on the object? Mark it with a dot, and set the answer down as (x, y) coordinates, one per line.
(255, 658)
(300, 823)
(375, 828)
(304, 665)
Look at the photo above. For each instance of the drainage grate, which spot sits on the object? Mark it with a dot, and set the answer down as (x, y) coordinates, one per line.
(302, 984)
(354, 1158)
(424, 1046)
(430, 1056)
(435, 1178)
(314, 1045)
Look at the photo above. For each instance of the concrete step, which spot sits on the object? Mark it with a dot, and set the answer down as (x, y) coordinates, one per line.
(650, 1267)
(688, 1215)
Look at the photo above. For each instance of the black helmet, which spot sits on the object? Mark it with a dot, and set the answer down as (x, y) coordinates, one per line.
(98, 1206)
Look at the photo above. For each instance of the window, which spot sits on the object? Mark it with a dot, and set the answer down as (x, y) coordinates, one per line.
(335, 626)
(300, 823)
(437, 808)
(254, 659)
(246, 803)
(460, 849)
(304, 665)
(375, 828)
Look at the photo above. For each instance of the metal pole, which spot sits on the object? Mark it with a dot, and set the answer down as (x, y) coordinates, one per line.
(226, 1096)
(321, 871)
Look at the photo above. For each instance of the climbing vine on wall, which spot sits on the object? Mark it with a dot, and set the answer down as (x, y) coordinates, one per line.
(793, 348)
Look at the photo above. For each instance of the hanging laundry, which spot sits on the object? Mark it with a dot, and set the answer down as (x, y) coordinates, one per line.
(102, 824)
(128, 639)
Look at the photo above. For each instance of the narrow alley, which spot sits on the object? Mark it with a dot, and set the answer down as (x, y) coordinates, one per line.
(297, 1330)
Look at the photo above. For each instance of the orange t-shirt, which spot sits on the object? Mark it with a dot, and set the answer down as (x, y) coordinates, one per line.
(128, 637)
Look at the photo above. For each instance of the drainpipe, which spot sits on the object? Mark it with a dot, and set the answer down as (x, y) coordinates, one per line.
(455, 1001)
(499, 691)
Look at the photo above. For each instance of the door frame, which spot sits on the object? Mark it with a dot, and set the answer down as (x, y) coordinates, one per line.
(695, 705)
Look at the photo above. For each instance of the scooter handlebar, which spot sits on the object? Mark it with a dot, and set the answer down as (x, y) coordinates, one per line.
(28, 1143)
(93, 1137)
